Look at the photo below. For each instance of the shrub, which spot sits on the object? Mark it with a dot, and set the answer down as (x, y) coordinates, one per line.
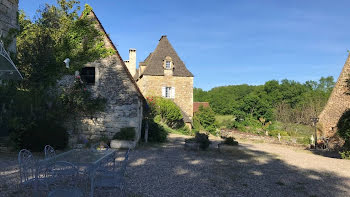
(203, 140)
(205, 119)
(230, 141)
(184, 130)
(168, 111)
(127, 133)
(156, 132)
(226, 124)
(237, 125)
(251, 122)
(345, 154)
(37, 136)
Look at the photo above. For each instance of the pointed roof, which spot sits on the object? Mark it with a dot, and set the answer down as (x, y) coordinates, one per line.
(154, 62)
(109, 44)
(337, 104)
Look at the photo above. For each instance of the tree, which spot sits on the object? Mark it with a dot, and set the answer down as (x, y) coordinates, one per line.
(286, 100)
(205, 118)
(42, 45)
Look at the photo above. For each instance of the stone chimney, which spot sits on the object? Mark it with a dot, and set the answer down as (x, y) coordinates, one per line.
(131, 63)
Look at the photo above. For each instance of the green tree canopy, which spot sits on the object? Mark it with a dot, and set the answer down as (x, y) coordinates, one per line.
(284, 100)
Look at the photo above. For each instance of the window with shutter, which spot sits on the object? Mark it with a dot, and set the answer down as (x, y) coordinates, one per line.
(163, 91)
(168, 92)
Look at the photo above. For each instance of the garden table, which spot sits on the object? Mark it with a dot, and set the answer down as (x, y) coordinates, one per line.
(89, 160)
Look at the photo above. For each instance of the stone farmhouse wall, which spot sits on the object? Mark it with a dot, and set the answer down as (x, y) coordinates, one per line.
(123, 107)
(337, 104)
(152, 86)
(8, 19)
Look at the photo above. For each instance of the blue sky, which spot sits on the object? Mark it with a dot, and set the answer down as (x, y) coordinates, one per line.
(227, 42)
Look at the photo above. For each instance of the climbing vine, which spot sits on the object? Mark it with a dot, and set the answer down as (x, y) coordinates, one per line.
(42, 45)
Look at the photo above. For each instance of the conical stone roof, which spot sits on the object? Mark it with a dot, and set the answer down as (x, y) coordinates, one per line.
(154, 62)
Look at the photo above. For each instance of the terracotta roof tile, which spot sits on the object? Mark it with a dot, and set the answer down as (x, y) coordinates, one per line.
(196, 105)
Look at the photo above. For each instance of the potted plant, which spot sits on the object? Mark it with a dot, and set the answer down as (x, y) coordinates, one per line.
(125, 138)
(199, 142)
(228, 144)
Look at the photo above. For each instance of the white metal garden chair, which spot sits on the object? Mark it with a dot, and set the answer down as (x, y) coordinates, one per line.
(49, 152)
(26, 166)
(112, 177)
(29, 171)
(65, 179)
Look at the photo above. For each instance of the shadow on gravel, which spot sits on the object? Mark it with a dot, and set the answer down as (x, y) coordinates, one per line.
(169, 170)
(326, 153)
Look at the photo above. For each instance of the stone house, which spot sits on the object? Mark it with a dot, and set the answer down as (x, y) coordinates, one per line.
(110, 78)
(337, 104)
(8, 29)
(164, 74)
(8, 20)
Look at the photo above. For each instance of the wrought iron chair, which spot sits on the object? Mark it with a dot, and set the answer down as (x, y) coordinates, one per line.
(49, 151)
(26, 166)
(29, 171)
(99, 146)
(65, 179)
(115, 178)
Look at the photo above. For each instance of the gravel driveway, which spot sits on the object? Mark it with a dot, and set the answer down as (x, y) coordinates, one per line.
(253, 169)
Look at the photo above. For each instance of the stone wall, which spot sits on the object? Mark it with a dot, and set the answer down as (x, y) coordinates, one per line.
(338, 102)
(124, 104)
(152, 86)
(8, 19)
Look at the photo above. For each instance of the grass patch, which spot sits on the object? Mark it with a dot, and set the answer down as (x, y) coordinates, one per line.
(222, 118)
(224, 121)
(181, 131)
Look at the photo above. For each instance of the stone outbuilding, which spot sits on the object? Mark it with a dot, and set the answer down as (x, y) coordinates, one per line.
(164, 74)
(110, 79)
(8, 21)
(337, 104)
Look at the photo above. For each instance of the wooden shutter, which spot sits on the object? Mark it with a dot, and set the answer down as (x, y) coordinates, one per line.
(163, 91)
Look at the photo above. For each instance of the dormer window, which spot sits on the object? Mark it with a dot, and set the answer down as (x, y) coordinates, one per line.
(168, 65)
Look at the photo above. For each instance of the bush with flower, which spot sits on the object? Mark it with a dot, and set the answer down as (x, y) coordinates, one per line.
(166, 110)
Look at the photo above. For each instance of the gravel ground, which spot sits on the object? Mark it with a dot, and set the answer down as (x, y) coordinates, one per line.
(253, 169)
